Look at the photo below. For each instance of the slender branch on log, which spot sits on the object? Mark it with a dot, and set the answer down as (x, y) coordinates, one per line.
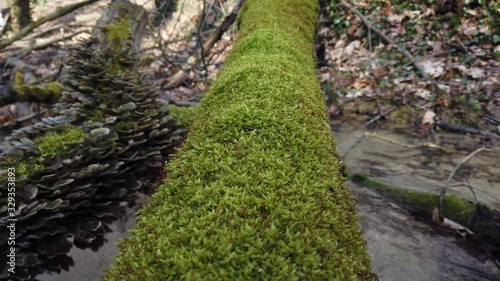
(46, 44)
(452, 174)
(58, 13)
(192, 61)
(423, 145)
(385, 37)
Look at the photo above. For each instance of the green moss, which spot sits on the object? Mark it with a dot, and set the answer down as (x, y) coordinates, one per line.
(454, 208)
(186, 115)
(97, 115)
(147, 60)
(119, 31)
(257, 192)
(403, 115)
(18, 78)
(54, 143)
(50, 92)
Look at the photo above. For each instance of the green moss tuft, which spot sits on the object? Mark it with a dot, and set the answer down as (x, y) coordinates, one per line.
(51, 92)
(54, 143)
(186, 115)
(118, 32)
(257, 192)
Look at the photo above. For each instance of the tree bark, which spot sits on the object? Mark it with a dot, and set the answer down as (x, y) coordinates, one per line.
(257, 192)
(20, 14)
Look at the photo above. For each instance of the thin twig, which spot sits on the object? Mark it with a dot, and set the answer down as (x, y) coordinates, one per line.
(475, 188)
(352, 146)
(452, 174)
(472, 190)
(423, 145)
(444, 125)
(199, 37)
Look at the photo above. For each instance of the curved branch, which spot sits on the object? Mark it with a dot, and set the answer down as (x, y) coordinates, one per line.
(58, 13)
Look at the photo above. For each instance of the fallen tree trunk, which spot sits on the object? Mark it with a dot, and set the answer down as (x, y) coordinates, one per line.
(258, 191)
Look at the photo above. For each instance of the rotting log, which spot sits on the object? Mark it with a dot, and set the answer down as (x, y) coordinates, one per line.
(258, 190)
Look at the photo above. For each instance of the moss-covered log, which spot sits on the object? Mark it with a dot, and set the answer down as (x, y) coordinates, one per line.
(480, 218)
(258, 191)
(109, 140)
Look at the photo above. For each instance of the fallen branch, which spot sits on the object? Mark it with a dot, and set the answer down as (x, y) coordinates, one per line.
(45, 44)
(378, 117)
(452, 174)
(386, 38)
(192, 61)
(423, 145)
(58, 13)
(464, 130)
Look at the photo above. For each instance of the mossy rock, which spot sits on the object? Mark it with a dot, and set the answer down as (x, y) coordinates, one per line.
(258, 191)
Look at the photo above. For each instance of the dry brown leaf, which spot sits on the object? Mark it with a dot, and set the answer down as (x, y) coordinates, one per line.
(353, 46)
(449, 224)
(476, 73)
(361, 83)
(434, 68)
(395, 19)
(428, 117)
(379, 72)
(423, 93)
(420, 29)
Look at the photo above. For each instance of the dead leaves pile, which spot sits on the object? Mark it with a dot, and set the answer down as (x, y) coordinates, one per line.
(458, 51)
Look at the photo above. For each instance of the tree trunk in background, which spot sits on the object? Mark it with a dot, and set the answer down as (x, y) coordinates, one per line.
(20, 13)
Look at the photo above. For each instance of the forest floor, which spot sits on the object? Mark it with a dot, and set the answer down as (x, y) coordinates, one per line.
(451, 81)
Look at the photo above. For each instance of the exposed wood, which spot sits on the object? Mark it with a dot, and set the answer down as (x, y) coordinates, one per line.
(179, 76)
(58, 13)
